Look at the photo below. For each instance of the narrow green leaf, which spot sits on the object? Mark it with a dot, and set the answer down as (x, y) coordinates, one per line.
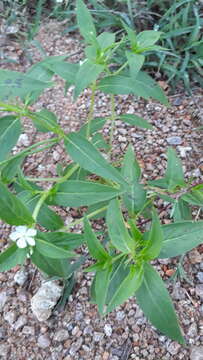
(11, 257)
(66, 70)
(127, 287)
(50, 266)
(85, 22)
(45, 121)
(10, 170)
(135, 120)
(148, 38)
(102, 279)
(118, 232)
(95, 248)
(87, 74)
(181, 237)
(96, 125)
(120, 271)
(49, 249)
(155, 239)
(194, 197)
(105, 40)
(68, 241)
(12, 210)
(174, 172)
(99, 142)
(89, 158)
(135, 62)
(10, 130)
(181, 211)
(154, 300)
(79, 193)
(46, 216)
(131, 169)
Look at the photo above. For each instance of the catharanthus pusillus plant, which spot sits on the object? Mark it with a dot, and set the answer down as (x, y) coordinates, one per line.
(122, 254)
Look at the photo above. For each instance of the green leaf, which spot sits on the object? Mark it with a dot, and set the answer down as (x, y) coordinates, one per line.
(10, 170)
(49, 266)
(174, 172)
(67, 71)
(46, 217)
(13, 83)
(89, 158)
(119, 272)
(45, 121)
(135, 62)
(148, 38)
(131, 169)
(10, 130)
(12, 210)
(118, 233)
(155, 239)
(52, 250)
(79, 193)
(194, 197)
(85, 22)
(105, 40)
(11, 257)
(135, 120)
(143, 86)
(87, 74)
(127, 287)
(95, 248)
(99, 142)
(181, 211)
(96, 125)
(154, 300)
(181, 237)
(102, 279)
(131, 35)
(69, 241)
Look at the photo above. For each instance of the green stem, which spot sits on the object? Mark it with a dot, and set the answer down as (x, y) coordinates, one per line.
(39, 204)
(91, 111)
(54, 179)
(89, 216)
(113, 118)
(27, 150)
(130, 12)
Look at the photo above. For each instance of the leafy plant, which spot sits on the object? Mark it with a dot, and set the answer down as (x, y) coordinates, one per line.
(122, 262)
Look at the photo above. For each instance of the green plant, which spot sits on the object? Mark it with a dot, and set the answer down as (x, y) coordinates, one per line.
(122, 258)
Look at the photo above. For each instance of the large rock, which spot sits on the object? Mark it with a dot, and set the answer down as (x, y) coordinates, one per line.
(196, 353)
(45, 299)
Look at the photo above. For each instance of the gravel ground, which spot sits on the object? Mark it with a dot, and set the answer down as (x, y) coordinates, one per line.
(78, 332)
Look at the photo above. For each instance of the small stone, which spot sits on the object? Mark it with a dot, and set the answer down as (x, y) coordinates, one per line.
(75, 330)
(23, 140)
(196, 353)
(200, 276)
(108, 330)
(3, 299)
(28, 330)
(174, 140)
(183, 150)
(120, 315)
(2, 333)
(4, 350)
(61, 335)
(45, 299)
(97, 337)
(177, 101)
(56, 155)
(43, 341)
(199, 290)
(10, 317)
(88, 330)
(22, 320)
(122, 139)
(21, 277)
(75, 346)
(105, 356)
(178, 293)
(192, 331)
(195, 256)
(173, 348)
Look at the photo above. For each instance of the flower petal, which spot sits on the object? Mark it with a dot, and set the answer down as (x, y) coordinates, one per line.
(22, 229)
(21, 243)
(14, 235)
(31, 232)
(30, 240)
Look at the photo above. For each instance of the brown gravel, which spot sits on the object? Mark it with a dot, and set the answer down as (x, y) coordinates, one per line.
(78, 333)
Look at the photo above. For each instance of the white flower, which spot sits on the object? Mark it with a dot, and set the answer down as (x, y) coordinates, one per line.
(23, 236)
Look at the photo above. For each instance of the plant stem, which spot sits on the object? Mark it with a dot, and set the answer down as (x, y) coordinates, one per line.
(130, 13)
(54, 179)
(88, 216)
(39, 204)
(91, 111)
(113, 118)
(27, 150)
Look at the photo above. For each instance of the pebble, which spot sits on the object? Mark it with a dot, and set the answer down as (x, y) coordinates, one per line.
(200, 276)
(199, 290)
(174, 140)
(10, 317)
(192, 331)
(45, 299)
(97, 337)
(21, 276)
(3, 299)
(177, 101)
(120, 315)
(43, 341)
(75, 346)
(23, 140)
(196, 353)
(4, 349)
(2, 333)
(195, 256)
(28, 330)
(22, 320)
(108, 330)
(178, 293)
(61, 335)
(183, 150)
(56, 155)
